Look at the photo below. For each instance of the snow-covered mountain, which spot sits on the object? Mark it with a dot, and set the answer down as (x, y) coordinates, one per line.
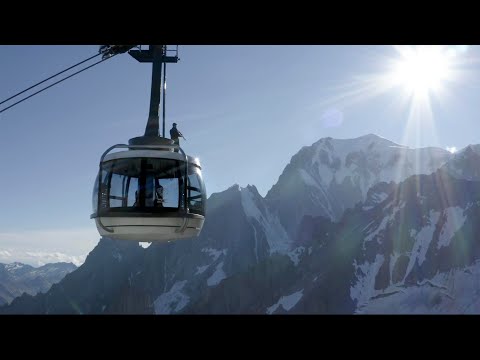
(416, 251)
(17, 278)
(352, 226)
(332, 175)
(119, 276)
(409, 248)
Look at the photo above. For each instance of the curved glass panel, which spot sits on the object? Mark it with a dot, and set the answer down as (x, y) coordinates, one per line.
(96, 195)
(196, 194)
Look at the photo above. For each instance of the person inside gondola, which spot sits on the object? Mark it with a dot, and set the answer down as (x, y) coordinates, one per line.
(158, 195)
(137, 200)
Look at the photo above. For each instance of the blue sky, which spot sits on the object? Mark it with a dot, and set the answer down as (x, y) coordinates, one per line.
(245, 111)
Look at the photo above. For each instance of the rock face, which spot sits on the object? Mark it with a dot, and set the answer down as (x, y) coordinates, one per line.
(414, 252)
(18, 278)
(352, 226)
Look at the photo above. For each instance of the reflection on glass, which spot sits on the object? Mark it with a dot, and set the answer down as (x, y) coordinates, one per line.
(196, 196)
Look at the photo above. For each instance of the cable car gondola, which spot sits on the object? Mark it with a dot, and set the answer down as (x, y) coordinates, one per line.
(152, 191)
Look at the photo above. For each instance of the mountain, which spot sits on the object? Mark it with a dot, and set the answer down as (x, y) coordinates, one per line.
(123, 277)
(414, 252)
(465, 164)
(349, 225)
(103, 279)
(409, 248)
(332, 175)
(17, 278)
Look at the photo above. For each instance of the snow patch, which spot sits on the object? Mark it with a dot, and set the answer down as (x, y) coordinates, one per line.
(307, 178)
(364, 288)
(368, 225)
(172, 301)
(381, 227)
(399, 146)
(379, 197)
(393, 260)
(255, 249)
(455, 220)
(214, 253)
(277, 238)
(294, 255)
(383, 224)
(217, 276)
(325, 174)
(201, 269)
(286, 302)
(422, 241)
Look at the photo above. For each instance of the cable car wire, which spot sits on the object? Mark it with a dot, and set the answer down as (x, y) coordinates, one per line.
(51, 77)
(57, 82)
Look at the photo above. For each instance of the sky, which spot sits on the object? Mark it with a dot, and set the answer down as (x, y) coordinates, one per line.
(244, 110)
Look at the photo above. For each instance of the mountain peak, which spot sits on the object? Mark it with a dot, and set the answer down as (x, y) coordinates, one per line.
(14, 266)
(370, 136)
(234, 187)
(465, 164)
(367, 138)
(251, 188)
(470, 149)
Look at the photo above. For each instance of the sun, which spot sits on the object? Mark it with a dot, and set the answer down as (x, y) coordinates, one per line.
(412, 84)
(422, 70)
(418, 79)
